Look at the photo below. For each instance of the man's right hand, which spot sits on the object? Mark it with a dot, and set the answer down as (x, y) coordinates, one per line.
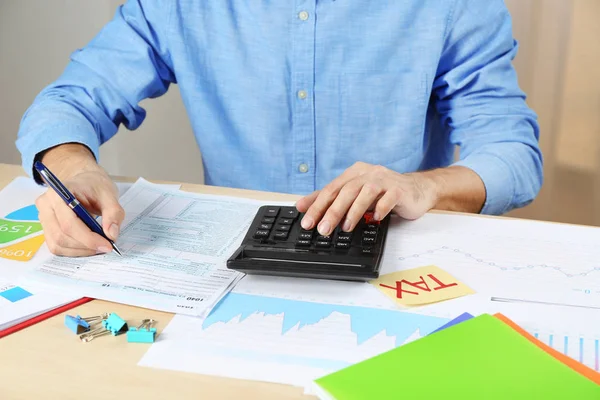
(65, 233)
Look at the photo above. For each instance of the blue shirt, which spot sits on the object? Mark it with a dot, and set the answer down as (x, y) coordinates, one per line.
(285, 95)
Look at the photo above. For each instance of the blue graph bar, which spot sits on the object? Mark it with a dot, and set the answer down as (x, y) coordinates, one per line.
(15, 294)
(597, 360)
(586, 350)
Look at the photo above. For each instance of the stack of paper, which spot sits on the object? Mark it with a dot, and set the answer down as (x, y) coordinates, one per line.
(479, 358)
(21, 248)
(175, 247)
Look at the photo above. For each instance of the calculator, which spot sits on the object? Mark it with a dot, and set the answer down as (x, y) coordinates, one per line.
(276, 244)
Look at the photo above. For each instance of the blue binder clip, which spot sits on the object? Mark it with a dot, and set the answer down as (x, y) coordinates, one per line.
(141, 334)
(113, 324)
(80, 325)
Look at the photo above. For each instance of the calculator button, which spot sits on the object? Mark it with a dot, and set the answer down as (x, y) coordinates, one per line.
(371, 226)
(370, 218)
(268, 220)
(271, 211)
(368, 240)
(321, 238)
(305, 235)
(285, 221)
(283, 228)
(289, 213)
(303, 243)
(260, 234)
(344, 237)
(342, 245)
(370, 233)
(367, 250)
(265, 226)
(322, 243)
(280, 235)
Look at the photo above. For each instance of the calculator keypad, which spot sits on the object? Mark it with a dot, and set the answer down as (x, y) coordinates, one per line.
(280, 226)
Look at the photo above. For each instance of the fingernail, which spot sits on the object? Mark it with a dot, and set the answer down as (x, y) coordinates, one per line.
(113, 231)
(103, 250)
(307, 222)
(347, 225)
(324, 228)
(376, 216)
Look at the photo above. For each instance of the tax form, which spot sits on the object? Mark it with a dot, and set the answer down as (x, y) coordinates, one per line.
(175, 246)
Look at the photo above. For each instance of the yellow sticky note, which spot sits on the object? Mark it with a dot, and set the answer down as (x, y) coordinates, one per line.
(421, 285)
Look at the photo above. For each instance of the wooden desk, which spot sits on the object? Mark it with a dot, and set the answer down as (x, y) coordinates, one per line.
(46, 361)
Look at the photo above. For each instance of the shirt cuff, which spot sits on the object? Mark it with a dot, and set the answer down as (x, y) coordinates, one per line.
(497, 178)
(36, 142)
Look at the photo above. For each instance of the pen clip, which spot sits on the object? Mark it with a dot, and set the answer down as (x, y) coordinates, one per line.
(54, 182)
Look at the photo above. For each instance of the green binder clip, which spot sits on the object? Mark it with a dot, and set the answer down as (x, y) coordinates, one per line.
(143, 333)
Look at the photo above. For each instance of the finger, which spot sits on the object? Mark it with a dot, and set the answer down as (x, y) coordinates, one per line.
(70, 225)
(112, 214)
(58, 243)
(338, 209)
(305, 202)
(323, 200)
(328, 194)
(386, 204)
(368, 195)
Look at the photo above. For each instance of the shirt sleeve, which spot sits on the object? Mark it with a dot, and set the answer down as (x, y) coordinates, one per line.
(480, 103)
(103, 84)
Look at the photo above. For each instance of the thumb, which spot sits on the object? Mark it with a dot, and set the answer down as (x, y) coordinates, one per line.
(112, 214)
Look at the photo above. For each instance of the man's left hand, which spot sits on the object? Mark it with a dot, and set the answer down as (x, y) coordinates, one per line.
(365, 187)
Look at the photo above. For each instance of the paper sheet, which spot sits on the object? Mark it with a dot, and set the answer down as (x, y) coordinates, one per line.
(418, 286)
(175, 246)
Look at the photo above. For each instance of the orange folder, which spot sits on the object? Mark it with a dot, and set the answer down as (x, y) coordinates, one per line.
(573, 364)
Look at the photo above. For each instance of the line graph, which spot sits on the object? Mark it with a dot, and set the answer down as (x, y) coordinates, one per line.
(483, 261)
(512, 259)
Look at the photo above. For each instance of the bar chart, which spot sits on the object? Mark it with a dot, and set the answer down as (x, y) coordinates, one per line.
(584, 349)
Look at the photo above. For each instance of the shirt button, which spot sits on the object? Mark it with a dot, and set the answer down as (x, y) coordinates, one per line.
(303, 168)
(302, 94)
(303, 15)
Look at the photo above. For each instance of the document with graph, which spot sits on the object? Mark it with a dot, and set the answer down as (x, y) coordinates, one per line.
(175, 246)
(509, 259)
(290, 330)
(287, 331)
(18, 303)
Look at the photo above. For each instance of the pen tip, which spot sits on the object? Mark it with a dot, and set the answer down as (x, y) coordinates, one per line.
(116, 249)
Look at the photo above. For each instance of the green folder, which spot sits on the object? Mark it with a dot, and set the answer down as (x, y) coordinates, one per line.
(481, 358)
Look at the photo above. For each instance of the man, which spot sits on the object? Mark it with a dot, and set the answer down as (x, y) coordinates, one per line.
(352, 103)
